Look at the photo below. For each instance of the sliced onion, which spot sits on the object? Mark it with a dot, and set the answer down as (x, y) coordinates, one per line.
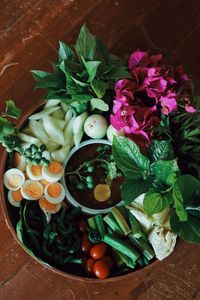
(78, 138)
(68, 116)
(68, 132)
(28, 138)
(58, 123)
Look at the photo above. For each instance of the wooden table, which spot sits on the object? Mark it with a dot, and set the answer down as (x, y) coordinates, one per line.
(29, 34)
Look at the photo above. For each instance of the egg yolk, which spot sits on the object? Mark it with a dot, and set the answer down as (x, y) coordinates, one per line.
(17, 196)
(17, 159)
(44, 183)
(54, 167)
(54, 190)
(14, 180)
(33, 190)
(47, 205)
(36, 170)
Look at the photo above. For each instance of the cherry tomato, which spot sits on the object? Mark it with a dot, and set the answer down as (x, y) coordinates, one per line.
(109, 261)
(86, 244)
(101, 269)
(89, 266)
(82, 226)
(98, 251)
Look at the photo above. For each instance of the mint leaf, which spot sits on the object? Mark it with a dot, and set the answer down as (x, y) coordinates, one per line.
(99, 104)
(163, 168)
(129, 159)
(12, 110)
(155, 203)
(92, 67)
(99, 87)
(65, 52)
(86, 44)
(131, 189)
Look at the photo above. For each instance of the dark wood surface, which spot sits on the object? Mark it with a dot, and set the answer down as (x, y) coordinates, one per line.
(29, 34)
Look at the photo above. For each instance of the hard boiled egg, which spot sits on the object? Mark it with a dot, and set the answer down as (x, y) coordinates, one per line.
(54, 192)
(15, 197)
(53, 172)
(48, 207)
(19, 162)
(44, 183)
(32, 190)
(34, 172)
(13, 179)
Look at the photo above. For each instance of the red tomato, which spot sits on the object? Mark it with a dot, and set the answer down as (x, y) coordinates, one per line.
(82, 226)
(85, 244)
(90, 266)
(98, 251)
(109, 261)
(101, 269)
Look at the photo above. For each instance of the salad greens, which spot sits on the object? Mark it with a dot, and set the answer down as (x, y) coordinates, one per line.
(84, 75)
(162, 184)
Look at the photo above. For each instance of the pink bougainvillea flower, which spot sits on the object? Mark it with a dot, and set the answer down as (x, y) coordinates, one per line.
(168, 102)
(180, 73)
(125, 87)
(189, 108)
(138, 59)
(155, 59)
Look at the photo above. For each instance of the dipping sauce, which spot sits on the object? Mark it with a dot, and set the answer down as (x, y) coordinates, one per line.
(102, 195)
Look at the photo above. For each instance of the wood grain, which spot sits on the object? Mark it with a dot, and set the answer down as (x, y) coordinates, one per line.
(29, 34)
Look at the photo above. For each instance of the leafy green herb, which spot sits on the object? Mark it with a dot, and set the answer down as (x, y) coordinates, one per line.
(128, 158)
(12, 110)
(164, 168)
(90, 70)
(188, 230)
(99, 104)
(161, 150)
(155, 203)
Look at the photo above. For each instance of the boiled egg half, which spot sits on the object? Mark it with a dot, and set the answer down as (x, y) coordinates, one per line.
(53, 172)
(32, 190)
(48, 207)
(19, 162)
(34, 172)
(15, 197)
(13, 179)
(54, 192)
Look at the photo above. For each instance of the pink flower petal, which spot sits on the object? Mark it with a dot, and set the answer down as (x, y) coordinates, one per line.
(138, 59)
(189, 108)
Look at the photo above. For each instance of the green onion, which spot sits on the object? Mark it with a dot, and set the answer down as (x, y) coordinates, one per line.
(143, 246)
(92, 223)
(110, 220)
(121, 220)
(100, 225)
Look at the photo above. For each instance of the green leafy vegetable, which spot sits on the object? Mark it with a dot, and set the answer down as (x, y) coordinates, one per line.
(99, 104)
(129, 159)
(162, 169)
(86, 44)
(188, 230)
(12, 110)
(161, 150)
(155, 203)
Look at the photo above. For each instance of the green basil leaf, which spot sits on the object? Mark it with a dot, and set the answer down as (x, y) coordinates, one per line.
(12, 110)
(155, 203)
(179, 203)
(99, 104)
(78, 82)
(131, 189)
(47, 80)
(161, 150)
(73, 67)
(99, 87)
(86, 44)
(92, 67)
(102, 52)
(65, 52)
(164, 168)
(190, 188)
(129, 159)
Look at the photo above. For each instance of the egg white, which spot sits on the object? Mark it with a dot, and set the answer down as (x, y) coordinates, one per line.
(50, 177)
(13, 171)
(23, 192)
(49, 211)
(54, 200)
(12, 200)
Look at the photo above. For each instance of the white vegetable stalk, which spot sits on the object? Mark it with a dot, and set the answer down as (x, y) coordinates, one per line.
(163, 242)
(111, 132)
(29, 139)
(45, 112)
(51, 103)
(60, 154)
(79, 122)
(53, 130)
(38, 131)
(58, 114)
(78, 138)
(58, 123)
(68, 116)
(68, 133)
(64, 106)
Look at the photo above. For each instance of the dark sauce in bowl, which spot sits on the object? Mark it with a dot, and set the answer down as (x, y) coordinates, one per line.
(86, 197)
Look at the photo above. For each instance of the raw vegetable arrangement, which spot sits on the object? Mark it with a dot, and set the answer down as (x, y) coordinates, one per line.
(150, 114)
